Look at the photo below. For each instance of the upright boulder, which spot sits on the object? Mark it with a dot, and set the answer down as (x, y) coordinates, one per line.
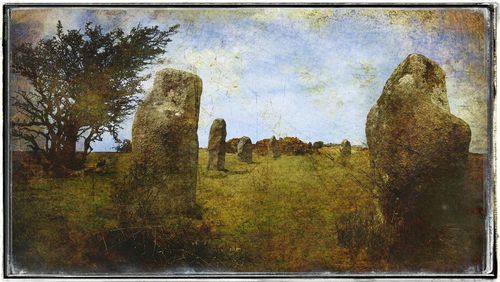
(274, 148)
(245, 149)
(217, 145)
(345, 148)
(419, 150)
(165, 140)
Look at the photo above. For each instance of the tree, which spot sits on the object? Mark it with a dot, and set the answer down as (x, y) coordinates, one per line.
(124, 147)
(84, 84)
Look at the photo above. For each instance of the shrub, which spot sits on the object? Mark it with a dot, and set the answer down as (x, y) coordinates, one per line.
(124, 147)
(262, 147)
(294, 146)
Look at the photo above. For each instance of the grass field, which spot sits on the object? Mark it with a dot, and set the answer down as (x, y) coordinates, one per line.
(271, 215)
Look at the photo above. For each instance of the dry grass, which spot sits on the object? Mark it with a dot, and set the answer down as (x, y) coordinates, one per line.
(271, 215)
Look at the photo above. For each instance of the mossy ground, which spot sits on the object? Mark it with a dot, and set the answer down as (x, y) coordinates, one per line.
(271, 215)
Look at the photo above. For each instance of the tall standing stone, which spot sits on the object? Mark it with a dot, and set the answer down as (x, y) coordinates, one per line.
(419, 150)
(274, 148)
(345, 148)
(245, 150)
(165, 140)
(217, 145)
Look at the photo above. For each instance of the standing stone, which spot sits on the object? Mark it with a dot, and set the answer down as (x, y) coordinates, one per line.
(274, 148)
(165, 140)
(419, 150)
(232, 145)
(217, 145)
(245, 149)
(345, 148)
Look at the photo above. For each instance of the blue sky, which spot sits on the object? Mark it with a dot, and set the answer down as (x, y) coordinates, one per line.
(310, 73)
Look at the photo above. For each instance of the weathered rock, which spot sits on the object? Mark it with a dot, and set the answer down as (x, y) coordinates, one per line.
(245, 149)
(418, 148)
(345, 148)
(217, 145)
(232, 145)
(294, 146)
(274, 148)
(165, 140)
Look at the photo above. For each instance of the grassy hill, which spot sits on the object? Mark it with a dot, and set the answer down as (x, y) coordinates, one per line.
(271, 215)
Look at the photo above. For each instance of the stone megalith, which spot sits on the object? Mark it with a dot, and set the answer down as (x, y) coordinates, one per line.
(165, 140)
(245, 149)
(418, 149)
(345, 148)
(274, 148)
(217, 145)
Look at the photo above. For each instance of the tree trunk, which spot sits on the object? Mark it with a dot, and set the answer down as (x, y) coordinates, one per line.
(68, 156)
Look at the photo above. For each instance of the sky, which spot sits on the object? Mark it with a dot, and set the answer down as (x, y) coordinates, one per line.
(313, 73)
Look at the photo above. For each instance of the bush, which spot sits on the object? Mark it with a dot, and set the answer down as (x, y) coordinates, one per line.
(294, 146)
(261, 147)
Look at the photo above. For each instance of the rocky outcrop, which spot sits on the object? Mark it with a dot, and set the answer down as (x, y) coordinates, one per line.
(217, 145)
(245, 149)
(165, 140)
(418, 149)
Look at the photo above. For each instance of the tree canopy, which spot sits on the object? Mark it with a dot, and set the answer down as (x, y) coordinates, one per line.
(84, 84)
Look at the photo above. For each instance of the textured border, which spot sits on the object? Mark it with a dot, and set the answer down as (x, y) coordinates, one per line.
(490, 266)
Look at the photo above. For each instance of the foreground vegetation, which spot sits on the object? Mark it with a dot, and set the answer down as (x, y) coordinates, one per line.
(313, 212)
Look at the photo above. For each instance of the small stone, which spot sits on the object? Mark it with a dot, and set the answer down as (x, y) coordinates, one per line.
(245, 149)
(274, 148)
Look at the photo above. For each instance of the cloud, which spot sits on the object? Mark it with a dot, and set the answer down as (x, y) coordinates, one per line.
(308, 72)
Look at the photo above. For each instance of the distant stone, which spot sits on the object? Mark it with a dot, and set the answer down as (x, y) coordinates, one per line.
(245, 149)
(274, 148)
(419, 149)
(217, 145)
(232, 145)
(345, 148)
(165, 140)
